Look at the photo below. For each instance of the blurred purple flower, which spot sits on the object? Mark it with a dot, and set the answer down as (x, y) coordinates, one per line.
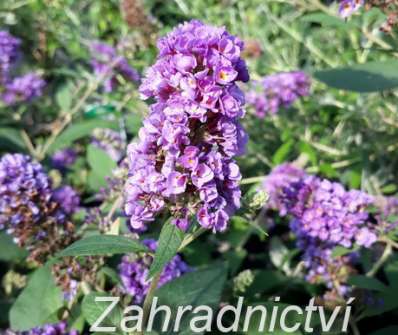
(323, 215)
(276, 91)
(64, 158)
(23, 89)
(105, 60)
(134, 272)
(9, 48)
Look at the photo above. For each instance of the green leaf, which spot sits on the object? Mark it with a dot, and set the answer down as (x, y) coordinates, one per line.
(133, 123)
(78, 131)
(392, 330)
(101, 166)
(282, 152)
(327, 20)
(341, 251)
(92, 310)
(196, 288)
(307, 149)
(9, 251)
(10, 139)
(40, 299)
(391, 270)
(389, 300)
(64, 97)
(103, 245)
(367, 283)
(369, 77)
(111, 274)
(169, 241)
(279, 254)
(266, 280)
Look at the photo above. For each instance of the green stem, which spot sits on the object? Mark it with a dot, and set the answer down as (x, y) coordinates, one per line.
(379, 264)
(148, 300)
(252, 180)
(388, 241)
(28, 143)
(190, 238)
(116, 205)
(354, 327)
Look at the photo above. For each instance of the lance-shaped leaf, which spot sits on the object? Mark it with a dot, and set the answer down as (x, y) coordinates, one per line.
(40, 299)
(103, 245)
(170, 240)
(369, 77)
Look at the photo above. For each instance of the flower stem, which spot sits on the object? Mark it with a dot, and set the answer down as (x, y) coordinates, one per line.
(252, 180)
(190, 238)
(28, 143)
(388, 241)
(379, 264)
(354, 327)
(148, 300)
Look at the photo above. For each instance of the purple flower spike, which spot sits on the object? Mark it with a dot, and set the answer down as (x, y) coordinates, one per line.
(185, 153)
(134, 272)
(30, 210)
(9, 49)
(324, 215)
(276, 91)
(23, 89)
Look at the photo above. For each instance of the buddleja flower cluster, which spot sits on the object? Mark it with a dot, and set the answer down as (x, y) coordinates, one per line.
(19, 89)
(278, 90)
(106, 61)
(324, 215)
(29, 209)
(133, 271)
(9, 46)
(60, 328)
(38, 218)
(183, 160)
(328, 212)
